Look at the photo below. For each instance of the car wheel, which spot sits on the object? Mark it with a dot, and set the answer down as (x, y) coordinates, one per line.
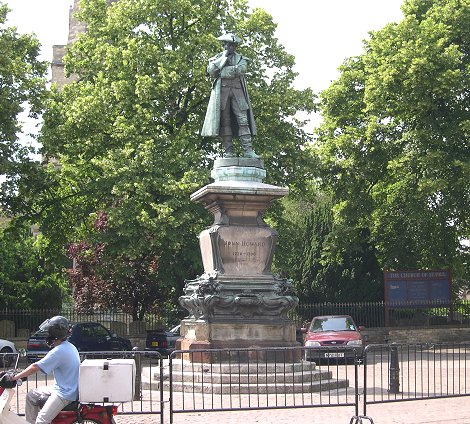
(6, 357)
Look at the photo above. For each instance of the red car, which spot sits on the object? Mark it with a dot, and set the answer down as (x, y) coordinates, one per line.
(333, 336)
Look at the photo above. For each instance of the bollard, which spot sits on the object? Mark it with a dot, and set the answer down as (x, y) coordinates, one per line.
(138, 374)
(394, 371)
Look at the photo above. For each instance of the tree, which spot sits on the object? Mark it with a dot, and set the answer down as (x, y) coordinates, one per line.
(394, 142)
(28, 279)
(323, 265)
(126, 133)
(22, 87)
(102, 280)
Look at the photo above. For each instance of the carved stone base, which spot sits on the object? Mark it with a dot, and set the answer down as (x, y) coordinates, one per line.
(238, 302)
(238, 299)
(205, 335)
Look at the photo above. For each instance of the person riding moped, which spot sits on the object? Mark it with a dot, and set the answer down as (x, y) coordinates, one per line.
(63, 361)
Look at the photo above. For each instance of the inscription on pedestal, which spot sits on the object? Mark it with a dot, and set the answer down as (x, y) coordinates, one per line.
(245, 250)
(237, 250)
(242, 251)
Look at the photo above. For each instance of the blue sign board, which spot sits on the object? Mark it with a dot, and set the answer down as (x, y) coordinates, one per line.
(417, 288)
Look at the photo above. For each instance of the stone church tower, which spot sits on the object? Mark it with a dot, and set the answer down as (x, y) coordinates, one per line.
(58, 51)
(57, 64)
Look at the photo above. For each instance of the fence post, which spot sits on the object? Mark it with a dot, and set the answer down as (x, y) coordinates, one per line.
(138, 374)
(394, 371)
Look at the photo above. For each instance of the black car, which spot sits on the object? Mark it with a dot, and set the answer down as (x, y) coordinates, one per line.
(86, 336)
(162, 341)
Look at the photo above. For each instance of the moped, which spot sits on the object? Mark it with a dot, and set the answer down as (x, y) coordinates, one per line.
(75, 412)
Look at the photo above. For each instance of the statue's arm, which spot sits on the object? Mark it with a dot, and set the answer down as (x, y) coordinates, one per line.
(216, 63)
(242, 65)
(235, 70)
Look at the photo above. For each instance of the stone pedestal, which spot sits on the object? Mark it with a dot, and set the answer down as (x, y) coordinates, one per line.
(238, 302)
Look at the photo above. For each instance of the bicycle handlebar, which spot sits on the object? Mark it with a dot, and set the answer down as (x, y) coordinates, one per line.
(6, 379)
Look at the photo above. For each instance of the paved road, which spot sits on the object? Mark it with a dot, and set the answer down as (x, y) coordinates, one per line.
(442, 411)
(447, 411)
(429, 411)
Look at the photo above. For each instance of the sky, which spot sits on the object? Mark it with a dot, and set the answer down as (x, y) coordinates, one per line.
(322, 33)
(319, 33)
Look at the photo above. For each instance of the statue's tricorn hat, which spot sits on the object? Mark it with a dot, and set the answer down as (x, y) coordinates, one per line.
(229, 38)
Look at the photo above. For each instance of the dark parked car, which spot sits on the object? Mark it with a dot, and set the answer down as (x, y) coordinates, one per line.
(333, 336)
(86, 336)
(162, 341)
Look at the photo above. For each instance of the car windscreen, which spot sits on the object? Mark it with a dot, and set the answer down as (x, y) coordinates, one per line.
(332, 324)
(40, 334)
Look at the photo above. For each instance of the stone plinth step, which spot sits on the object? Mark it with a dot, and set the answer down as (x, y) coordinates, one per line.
(261, 389)
(245, 378)
(243, 368)
(270, 378)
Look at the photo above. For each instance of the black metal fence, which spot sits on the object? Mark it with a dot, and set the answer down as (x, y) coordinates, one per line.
(18, 323)
(398, 314)
(148, 390)
(370, 314)
(255, 379)
(199, 381)
(23, 322)
(399, 372)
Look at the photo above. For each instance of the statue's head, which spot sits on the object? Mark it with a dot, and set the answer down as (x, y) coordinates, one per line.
(230, 41)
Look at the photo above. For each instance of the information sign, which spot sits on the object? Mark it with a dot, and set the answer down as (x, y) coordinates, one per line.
(417, 288)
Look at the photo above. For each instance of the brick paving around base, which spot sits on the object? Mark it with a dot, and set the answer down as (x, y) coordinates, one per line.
(429, 411)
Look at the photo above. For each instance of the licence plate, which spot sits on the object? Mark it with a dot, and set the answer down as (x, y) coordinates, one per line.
(154, 343)
(334, 354)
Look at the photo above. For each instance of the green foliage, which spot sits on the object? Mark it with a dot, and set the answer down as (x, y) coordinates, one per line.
(394, 144)
(327, 262)
(22, 88)
(103, 279)
(126, 132)
(27, 278)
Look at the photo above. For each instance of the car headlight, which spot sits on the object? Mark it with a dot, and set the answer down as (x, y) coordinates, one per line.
(311, 343)
(355, 343)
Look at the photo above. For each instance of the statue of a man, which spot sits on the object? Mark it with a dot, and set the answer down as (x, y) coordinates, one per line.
(229, 112)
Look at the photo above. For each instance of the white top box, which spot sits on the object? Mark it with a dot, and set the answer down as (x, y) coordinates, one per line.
(107, 380)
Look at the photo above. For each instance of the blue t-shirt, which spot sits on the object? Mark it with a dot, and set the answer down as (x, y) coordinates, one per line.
(64, 362)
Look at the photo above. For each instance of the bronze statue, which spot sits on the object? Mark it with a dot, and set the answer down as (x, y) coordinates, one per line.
(229, 113)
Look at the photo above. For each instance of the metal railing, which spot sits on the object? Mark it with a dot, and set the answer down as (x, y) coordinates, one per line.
(148, 390)
(20, 323)
(211, 380)
(23, 322)
(249, 379)
(8, 360)
(404, 372)
(382, 314)
(370, 314)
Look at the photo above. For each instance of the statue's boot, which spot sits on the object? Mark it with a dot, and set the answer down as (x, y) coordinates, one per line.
(228, 147)
(245, 141)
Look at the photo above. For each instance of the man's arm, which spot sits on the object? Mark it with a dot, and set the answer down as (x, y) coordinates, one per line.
(31, 369)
